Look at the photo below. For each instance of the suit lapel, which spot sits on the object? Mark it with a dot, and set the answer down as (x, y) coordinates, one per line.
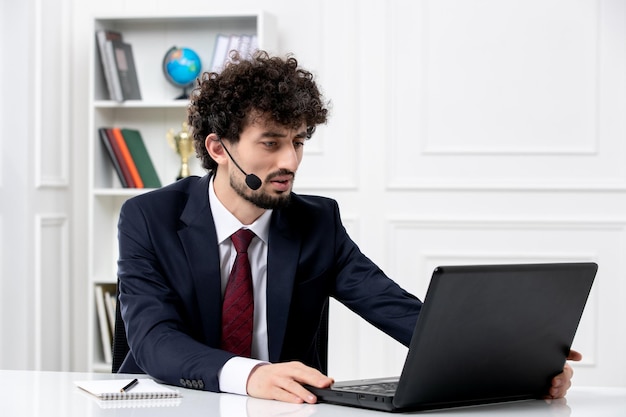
(282, 261)
(199, 239)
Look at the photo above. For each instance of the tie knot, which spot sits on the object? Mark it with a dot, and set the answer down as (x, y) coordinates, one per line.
(241, 239)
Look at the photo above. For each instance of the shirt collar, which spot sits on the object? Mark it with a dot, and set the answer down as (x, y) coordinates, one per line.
(226, 224)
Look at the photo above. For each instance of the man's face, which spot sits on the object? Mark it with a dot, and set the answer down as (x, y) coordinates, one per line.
(273, 153)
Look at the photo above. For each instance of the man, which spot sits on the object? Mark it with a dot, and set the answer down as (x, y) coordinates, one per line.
(249, 124)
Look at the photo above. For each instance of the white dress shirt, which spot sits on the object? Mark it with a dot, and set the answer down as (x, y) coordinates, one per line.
(234, 374)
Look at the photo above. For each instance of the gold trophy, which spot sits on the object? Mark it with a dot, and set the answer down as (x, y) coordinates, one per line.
(182, 143)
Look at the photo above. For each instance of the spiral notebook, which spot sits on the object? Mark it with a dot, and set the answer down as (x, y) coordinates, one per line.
(109, 389)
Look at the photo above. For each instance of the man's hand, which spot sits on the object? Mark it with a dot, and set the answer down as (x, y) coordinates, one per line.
(283, 382)
(562, 382)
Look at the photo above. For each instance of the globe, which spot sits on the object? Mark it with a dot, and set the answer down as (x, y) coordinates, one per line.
(181, 67)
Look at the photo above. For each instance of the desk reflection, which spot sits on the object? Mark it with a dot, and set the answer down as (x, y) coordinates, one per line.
(53, 394)
(241, 406)
(235, 406)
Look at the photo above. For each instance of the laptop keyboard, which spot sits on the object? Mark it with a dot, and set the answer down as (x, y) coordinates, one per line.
(376, 388)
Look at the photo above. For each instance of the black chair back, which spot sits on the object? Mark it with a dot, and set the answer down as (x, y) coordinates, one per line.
(120, 344)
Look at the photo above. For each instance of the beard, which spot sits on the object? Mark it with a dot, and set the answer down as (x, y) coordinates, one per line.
(260, 198)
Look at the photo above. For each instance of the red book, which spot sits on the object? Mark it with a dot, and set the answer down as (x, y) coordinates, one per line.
(106, 135)
(134, 173)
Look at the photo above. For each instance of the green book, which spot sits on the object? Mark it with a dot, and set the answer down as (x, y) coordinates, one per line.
(138, 151)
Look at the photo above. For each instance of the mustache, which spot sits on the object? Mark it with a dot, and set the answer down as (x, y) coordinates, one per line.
(280, 173)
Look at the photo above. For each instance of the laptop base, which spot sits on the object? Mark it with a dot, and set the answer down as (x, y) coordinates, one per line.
(385, 402)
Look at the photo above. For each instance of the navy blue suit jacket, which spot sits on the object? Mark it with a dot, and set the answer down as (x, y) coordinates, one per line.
(170, 285)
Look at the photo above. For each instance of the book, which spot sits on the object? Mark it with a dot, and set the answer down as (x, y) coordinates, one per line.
(245, 43)
(115, 156)
(254, 45)
(116, 86)
(126, 71)
(105, 331)
(110, 389)
(141, 157)
(109, 304)
(220, 52)
(127, 158)
(117, 148)
(233, 45)
(106, 59)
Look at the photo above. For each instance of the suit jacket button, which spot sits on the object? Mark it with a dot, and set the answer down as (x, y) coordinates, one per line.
(201, 384)
(194, 384)
(182, 382)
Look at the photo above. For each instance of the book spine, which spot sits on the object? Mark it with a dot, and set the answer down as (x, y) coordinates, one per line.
(120, 158)
(244, 46)
(104, 327)
(109, 304)
(101, 37)
(233, 45)
(126, 71)
(142, 159)
(116, 84)
(117, 133)
(220, 52)
(112, 155)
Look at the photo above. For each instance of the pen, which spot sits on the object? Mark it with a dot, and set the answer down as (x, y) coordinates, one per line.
(130, 385)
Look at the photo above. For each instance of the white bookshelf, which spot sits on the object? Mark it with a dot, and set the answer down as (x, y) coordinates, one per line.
(158, 112)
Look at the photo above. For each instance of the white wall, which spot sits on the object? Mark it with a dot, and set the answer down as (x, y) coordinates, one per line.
(471, 131)
(35, 188)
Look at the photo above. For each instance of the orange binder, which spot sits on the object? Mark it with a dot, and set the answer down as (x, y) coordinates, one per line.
(117, 133)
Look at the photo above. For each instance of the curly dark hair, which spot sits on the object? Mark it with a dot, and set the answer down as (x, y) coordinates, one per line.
(224, 103)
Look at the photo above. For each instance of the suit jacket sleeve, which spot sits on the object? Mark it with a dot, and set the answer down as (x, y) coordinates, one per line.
(321, 260)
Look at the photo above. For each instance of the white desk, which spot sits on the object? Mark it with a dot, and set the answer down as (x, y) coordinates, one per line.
(52, 394)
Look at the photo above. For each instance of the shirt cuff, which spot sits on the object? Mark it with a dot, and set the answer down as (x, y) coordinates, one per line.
(233, 377)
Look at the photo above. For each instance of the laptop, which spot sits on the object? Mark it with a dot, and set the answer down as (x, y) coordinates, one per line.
(486, 334)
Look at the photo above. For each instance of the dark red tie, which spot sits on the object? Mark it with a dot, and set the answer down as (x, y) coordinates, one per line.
(238, 303)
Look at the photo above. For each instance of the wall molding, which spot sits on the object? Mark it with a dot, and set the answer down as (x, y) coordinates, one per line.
(51, 294)
(51, 130)
(440, 141)
(518, 241)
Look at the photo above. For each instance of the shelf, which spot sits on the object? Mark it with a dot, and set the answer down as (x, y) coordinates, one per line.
(141, 104)
(120, 192)
(158, 112)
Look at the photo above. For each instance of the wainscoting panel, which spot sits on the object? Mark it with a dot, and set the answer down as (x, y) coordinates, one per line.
(51, 300)
(494, 95)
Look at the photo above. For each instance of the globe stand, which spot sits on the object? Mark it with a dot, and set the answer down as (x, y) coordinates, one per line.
(184, 95)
